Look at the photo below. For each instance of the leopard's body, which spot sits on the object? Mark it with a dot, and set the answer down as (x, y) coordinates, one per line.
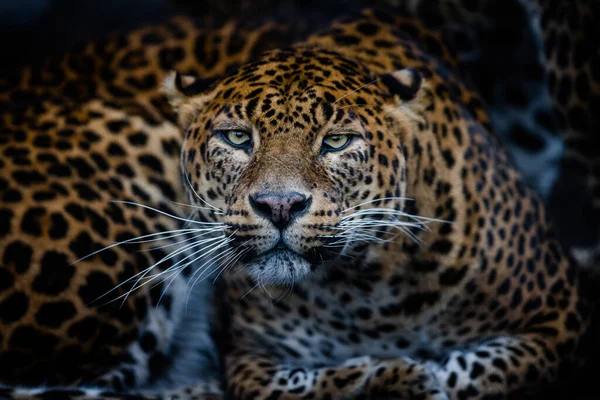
(480, 302)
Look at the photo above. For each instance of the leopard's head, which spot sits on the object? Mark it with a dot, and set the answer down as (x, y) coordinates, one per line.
(291, 151)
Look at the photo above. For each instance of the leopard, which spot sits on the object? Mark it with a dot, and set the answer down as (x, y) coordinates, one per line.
(304, 320)
(388, 248)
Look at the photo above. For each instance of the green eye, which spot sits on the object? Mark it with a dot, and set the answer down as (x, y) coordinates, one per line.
(237, 138)
(336, 142)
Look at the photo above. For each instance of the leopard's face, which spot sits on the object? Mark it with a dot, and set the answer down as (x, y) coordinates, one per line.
(287, 149)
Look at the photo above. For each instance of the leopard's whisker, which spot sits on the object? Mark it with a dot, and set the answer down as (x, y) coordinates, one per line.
(360, 226)
(288, 290)
(202, 269)
(172, 267)
(393, 221)
(191, 187)
(262, 286)
(224, 260)
(231, 263)
(172, 277)
(144, 272)
(368, 223)
(198, 207)
(179, 232)
(206, 266)
(412, 235)
(178, 271)
(384, 199)
(227, 240)
(222, 265)
(179, 242)
(227, 257)
(349, 226)
(166, 237)
(225, 264)
(191, 221)
(367, 228)
(392, 212)
(249, 291)
(339, 254)
(220, 240)
(175, 266)
(355, 90)
(356, 239)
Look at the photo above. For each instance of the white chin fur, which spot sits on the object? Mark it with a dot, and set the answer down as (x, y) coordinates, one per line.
(278, 268)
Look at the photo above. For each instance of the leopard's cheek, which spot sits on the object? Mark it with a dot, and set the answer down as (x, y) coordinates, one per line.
(212, 173)
(352, 178)
(377, 172)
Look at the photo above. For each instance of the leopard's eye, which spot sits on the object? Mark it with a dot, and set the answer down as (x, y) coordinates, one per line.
(336, 142)
(237, 138)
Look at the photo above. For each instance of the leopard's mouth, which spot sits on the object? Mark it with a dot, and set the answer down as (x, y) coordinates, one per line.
(278, 250)
(278, 267)
(282, 265)
(315, 255)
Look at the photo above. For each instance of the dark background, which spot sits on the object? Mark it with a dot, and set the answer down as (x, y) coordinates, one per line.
(32, 30)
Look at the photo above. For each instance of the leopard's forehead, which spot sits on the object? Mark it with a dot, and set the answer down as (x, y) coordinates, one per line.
(297, 76)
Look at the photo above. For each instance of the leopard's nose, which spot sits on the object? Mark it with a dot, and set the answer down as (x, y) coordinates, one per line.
(280, 208)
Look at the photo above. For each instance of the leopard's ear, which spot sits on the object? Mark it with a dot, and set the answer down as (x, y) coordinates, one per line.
(186, 94)
(405, 83)
(409, 90)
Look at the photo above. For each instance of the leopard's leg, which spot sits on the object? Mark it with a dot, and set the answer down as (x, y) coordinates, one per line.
(253, 374)
(493, 369)
(498, 367)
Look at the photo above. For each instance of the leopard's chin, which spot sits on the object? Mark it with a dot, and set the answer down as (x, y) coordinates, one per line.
(278, 267)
